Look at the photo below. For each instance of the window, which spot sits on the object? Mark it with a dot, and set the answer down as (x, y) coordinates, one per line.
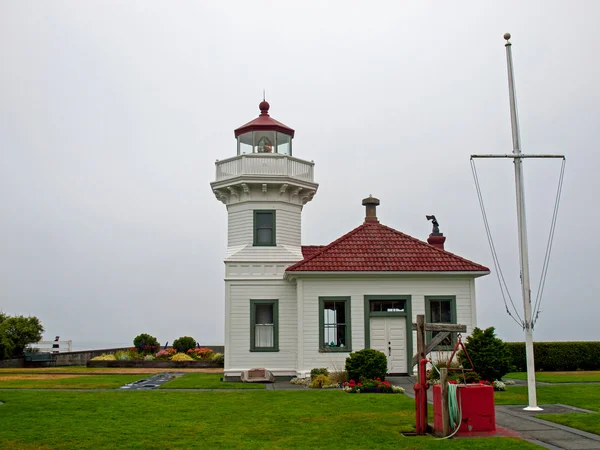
(264, 228)
(334, 324)
(264, 326)
(387, 305)
(441, 309)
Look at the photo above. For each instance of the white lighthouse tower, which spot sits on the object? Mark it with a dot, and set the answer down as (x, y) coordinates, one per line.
(264, 188)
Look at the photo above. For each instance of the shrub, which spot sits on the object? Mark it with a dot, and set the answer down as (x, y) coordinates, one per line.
(123, 356)
(499, 385)
(149, 358)
(315, 372)
(301, 381)
(144, 343)
(181, 357)
(366, 363)
(490, 355)
(184, 343)
(104, 357)
(219, 358)
(557, 356)
(338, 376)
(320, 381)
(200, 353)
(166, 353)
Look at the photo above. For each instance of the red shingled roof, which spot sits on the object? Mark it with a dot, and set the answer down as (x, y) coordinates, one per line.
(373, 247)
(310, 250)
(264, 122)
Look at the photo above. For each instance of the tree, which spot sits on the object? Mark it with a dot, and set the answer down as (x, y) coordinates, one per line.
(184, 343)
(16, 332)
(145, 343)
(490, 355)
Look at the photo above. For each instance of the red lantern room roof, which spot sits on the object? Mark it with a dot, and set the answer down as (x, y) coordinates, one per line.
(264, 122)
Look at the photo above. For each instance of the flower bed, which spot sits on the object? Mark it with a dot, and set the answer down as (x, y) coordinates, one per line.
(157, 363)
(166, 358)
(372, 387)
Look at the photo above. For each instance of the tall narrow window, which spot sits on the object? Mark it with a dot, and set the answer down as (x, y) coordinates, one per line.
(264, 326)
(264, 228)
(441, 310)
(334, 324)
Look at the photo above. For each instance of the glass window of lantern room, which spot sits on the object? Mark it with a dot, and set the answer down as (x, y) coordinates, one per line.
(264, 141)
(284, 144)
(245, 143)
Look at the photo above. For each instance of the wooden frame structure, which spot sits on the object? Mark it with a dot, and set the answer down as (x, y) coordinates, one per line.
(444, 330)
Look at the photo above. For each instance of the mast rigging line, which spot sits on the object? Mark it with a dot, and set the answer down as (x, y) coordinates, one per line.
(542, 283)
(501, 281)
(499, 273)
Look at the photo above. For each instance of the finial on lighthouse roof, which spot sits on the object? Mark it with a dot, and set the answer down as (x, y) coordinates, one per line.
(264, 108)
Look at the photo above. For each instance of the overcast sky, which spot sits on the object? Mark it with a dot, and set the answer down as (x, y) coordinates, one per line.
(112, 115)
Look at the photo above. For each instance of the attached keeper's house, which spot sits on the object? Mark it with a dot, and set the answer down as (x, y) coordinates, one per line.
(290, 308)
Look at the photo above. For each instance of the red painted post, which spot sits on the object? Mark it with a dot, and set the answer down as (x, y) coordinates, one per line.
(417, 388)
(423, 380)
(421, 399)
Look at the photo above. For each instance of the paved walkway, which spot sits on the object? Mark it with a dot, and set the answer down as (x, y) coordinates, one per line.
(547, 434)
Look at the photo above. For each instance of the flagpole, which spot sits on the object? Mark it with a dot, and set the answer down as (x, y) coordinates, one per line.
(522, 230)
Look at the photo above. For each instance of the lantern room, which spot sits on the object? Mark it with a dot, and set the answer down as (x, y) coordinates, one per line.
(264, 135)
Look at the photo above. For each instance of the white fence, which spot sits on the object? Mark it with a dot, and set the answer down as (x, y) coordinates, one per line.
(46, 346)
(264, 164)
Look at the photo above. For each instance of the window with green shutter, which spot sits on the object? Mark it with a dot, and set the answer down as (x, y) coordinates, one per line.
(441, 309)
(264, 326)
(264, 228)
(334, 324)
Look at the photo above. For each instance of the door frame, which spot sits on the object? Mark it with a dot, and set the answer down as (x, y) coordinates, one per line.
(407, 313)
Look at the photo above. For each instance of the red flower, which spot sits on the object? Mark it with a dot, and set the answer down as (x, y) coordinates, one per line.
(452, 382)
(360, 384)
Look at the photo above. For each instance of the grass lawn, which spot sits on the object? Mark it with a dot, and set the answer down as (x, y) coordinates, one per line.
(559, 377)
(207, 381)
(582, 396)
(58, 381)
(250, 419)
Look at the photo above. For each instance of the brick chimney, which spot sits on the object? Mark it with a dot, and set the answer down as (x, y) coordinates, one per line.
(436, 238)
(371, 204)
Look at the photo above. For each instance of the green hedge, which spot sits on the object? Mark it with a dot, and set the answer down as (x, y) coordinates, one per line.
(557, 356)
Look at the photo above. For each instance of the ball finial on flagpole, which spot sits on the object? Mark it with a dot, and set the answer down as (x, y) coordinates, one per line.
(507, 36)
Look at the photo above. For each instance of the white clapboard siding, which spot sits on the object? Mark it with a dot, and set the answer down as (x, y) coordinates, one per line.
(241, 223)
(237, 327)
(356, 288)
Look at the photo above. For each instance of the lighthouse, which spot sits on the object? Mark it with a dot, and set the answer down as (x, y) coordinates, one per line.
(264, 187)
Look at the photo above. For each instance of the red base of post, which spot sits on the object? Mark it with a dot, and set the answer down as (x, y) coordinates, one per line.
(477, 407)
(421, 399)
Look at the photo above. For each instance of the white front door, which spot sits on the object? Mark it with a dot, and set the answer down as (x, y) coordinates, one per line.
(388, 335)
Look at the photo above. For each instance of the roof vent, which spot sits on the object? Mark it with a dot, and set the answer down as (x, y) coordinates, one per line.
(371, 204)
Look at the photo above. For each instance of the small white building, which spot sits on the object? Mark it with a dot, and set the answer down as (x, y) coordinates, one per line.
(290, 308)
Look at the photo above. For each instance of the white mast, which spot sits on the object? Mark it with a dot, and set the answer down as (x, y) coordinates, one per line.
(522, 229)
(517, 157)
